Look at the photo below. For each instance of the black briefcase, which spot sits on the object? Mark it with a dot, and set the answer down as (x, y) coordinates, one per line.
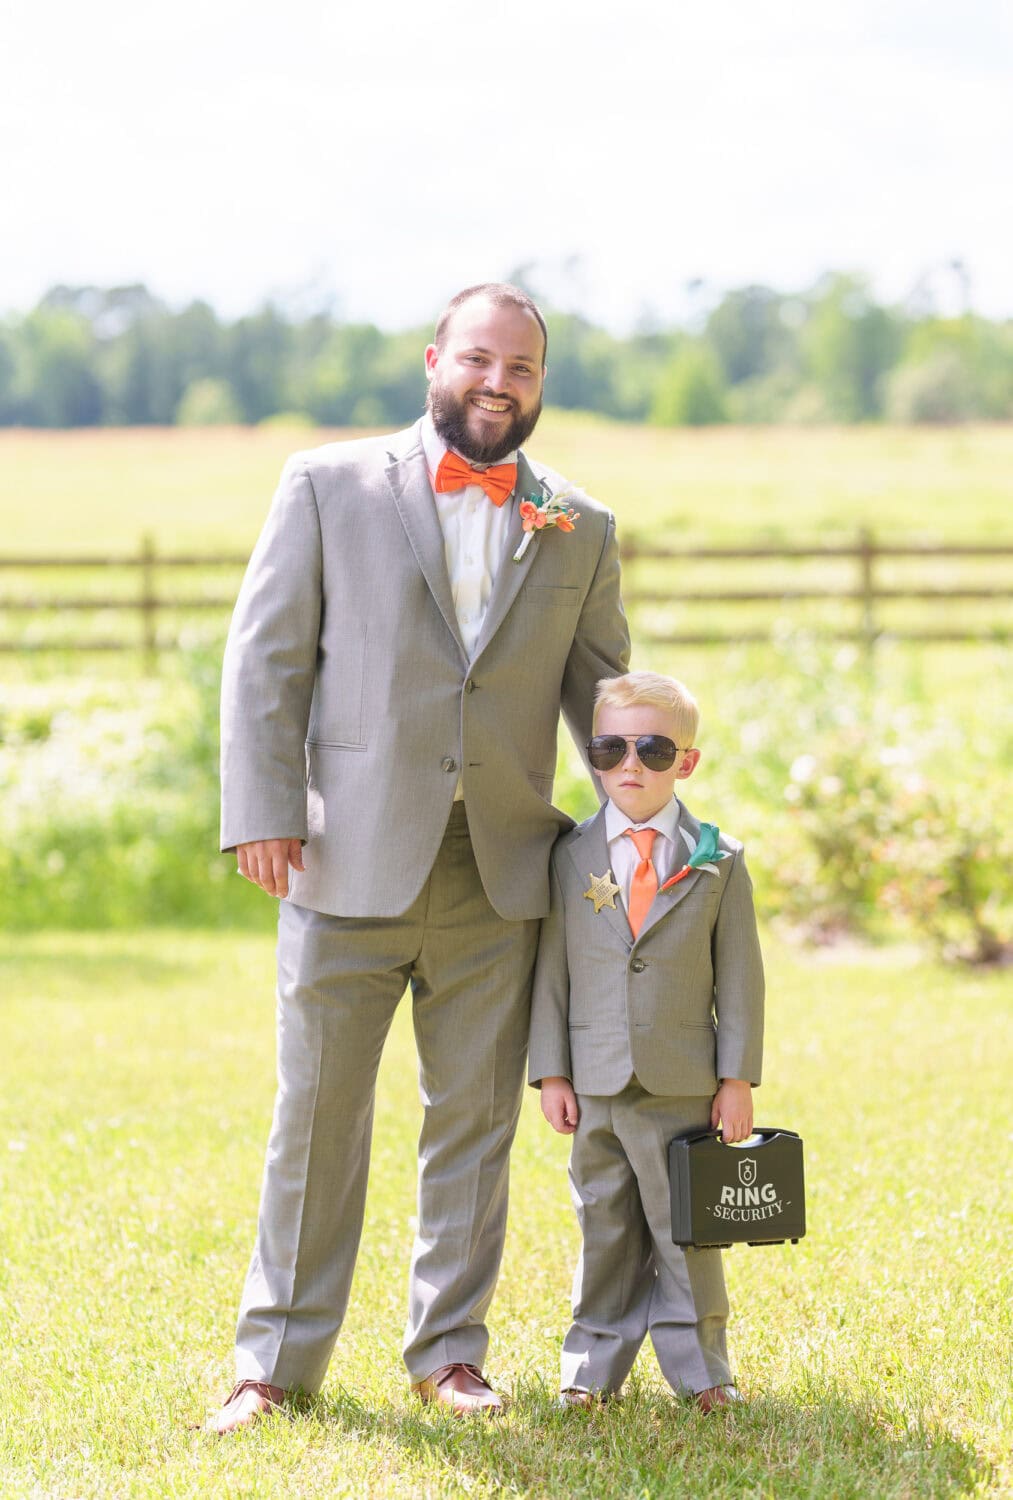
(752, 1193)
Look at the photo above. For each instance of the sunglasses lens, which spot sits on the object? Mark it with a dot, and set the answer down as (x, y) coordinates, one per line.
(656, 751)
(605, 751)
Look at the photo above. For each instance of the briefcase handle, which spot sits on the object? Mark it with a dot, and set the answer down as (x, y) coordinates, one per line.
(761, 1136)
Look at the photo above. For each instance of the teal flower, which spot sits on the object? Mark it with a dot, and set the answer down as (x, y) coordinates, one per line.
(707, 849)
(703, 857)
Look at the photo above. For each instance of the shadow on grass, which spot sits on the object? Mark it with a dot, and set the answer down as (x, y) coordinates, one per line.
(822, 1443)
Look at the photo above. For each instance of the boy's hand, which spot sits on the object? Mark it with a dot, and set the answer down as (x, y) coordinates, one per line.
(732, 1109)
(559, 1105)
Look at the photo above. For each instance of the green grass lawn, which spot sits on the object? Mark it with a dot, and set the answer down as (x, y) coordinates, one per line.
(209, 488)
(206, 491)
(135, 1094)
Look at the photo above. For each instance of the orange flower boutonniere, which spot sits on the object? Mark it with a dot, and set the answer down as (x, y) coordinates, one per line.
(541, 511)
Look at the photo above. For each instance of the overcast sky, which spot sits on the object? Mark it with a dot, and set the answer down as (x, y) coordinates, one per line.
(377, 156)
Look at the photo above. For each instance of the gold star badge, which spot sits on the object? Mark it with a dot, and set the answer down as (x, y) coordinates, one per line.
(602, 891)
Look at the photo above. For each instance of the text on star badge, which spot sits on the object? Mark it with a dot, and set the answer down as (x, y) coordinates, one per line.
(602, 891)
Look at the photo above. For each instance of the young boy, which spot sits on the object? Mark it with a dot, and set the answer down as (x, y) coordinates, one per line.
(647, 1023)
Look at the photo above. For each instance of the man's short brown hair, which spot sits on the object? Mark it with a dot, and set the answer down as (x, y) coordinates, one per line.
(500, 294)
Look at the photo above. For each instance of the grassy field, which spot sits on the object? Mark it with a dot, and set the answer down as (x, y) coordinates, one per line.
(137, 1070)
(206, 491)
(135, 1089)
(208, 488)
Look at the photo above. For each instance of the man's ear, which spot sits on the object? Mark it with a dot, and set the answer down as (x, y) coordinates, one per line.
(432, 355)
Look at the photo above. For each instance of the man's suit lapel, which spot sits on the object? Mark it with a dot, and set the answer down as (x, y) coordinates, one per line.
(665, 901)
(590, 855)
(408, 478)
(511, 575)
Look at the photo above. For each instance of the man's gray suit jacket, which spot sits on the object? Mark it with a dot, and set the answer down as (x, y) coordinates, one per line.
(349, 705)
(683, 1002)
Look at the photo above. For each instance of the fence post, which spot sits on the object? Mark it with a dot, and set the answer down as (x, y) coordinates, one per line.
(148, 605)
(866, 560)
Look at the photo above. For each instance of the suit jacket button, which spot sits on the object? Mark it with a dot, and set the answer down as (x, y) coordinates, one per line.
(469, 686)
(448, 763)
(638, 966)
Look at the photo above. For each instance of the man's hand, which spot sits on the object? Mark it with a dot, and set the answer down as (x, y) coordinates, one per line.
(559, 1105)
(265, 862)
(732, 1109)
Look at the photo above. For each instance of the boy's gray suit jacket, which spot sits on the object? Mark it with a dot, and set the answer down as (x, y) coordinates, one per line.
(349, 705)
(684, 1002)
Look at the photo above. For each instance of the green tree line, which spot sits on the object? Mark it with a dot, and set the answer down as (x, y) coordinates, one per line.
(91, 356)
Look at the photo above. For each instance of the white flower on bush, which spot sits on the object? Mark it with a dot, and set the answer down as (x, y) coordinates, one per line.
(803, 769)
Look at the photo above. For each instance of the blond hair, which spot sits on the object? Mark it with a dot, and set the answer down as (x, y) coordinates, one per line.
(661, 692)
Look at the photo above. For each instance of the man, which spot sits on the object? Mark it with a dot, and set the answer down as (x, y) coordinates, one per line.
(416, 613)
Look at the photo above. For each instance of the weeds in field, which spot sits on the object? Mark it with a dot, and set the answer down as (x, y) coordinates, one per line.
(863, 811)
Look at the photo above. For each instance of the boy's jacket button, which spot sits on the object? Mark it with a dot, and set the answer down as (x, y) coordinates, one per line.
(448, 763)
(638, 966)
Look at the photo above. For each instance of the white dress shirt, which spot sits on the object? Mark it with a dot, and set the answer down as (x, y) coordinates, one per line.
(668, 852)
(474, 538)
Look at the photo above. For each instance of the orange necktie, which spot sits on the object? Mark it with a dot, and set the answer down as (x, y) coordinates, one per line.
(644, 885)
(455, 472)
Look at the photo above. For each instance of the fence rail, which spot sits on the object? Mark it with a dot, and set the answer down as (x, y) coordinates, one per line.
(647, 601)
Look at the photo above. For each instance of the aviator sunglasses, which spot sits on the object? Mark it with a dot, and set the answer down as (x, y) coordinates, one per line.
(655, 751)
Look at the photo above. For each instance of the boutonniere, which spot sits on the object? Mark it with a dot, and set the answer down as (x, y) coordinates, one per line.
(541, 511)
(703, 857)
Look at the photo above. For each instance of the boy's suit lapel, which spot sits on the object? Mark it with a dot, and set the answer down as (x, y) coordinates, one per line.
(408, 478)
(666, 901)
(590, 855)
(511, 575)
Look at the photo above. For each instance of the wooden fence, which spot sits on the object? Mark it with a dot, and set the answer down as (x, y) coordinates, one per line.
(674, 595)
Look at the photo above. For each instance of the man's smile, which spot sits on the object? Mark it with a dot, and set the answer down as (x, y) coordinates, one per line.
(487, 403)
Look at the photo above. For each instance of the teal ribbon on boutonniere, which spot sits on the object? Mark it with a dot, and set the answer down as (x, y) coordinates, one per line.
(538, 512)
(704, 856)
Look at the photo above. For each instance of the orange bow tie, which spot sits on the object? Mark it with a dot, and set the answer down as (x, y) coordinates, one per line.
(455, 472)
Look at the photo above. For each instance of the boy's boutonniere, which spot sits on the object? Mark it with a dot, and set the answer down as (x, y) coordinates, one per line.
(540, 511)
(703, 856)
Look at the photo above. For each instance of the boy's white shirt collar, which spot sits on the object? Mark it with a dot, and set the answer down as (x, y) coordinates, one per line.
(666, 855)
(666, 821)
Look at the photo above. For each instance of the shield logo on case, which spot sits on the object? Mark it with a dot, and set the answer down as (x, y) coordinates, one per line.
(747, 1171)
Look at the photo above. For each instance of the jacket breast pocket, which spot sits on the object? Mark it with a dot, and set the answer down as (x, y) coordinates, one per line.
(551, 596)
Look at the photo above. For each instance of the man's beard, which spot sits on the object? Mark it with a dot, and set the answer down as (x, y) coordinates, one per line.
(450, 418)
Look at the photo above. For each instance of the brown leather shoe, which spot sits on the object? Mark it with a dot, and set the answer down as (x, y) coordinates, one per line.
(461, 1387)
(247, 1403)
(715, 1396)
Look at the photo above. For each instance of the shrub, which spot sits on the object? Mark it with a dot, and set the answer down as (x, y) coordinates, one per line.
(690, 392)
(862, 812)
(208, 403)
(940, 389)
(111, 806)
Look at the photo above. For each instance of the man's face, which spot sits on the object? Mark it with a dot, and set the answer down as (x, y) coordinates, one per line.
(485, 384)
(635, 790)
